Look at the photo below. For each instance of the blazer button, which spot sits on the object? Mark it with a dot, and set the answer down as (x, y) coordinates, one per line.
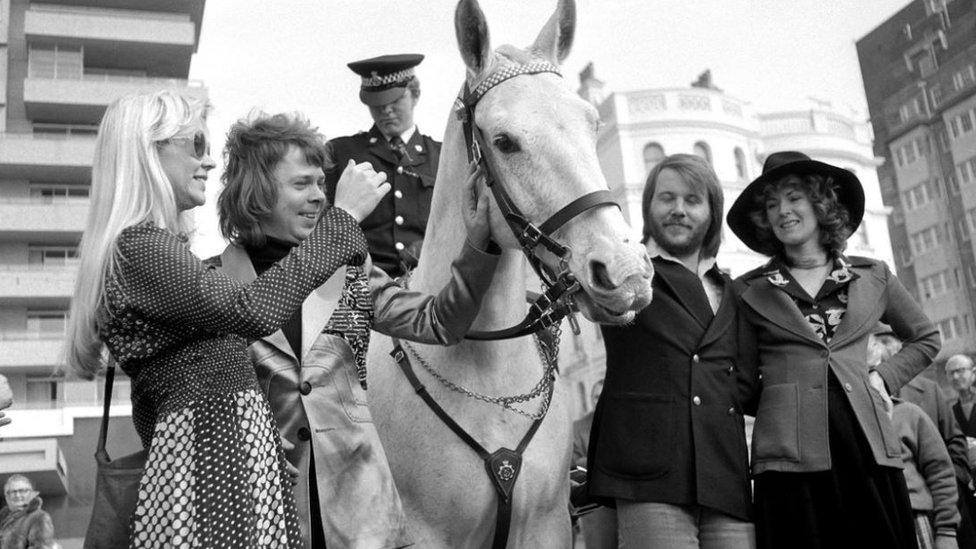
(398, 193)
(731, 410)
(696, 400)
(399, 246)
(305, 388)
(695, 358)
(399, 169)
(304, 434)
(848, 387)
(731, 370)
(398, 220)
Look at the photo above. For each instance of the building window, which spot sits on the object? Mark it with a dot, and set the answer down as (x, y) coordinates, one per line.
(935, 94)
(48, 193)
(45, 128)
(46, 322)
(933, 286)
(703, 150)
(963, 78)
(43, 391)
(62, 62)
(653, 153)
(911, 153)
(927, 239)
(965, 173)
(951, 184)
(965, 123)
(52, 255)
(943, 140)
(740, 163)
(946, 328)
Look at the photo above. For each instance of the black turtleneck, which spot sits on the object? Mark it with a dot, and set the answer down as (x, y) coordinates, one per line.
(262, 258)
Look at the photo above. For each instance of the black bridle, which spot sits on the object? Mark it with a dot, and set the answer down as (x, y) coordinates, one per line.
(556, 302)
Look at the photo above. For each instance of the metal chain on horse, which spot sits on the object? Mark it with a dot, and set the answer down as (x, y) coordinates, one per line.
(549, 368)
(556, 302)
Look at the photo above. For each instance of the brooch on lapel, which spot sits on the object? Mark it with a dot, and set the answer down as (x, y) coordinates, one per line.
(776, 278)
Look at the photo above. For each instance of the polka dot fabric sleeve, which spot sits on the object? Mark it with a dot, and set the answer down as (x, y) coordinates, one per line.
(161, 280)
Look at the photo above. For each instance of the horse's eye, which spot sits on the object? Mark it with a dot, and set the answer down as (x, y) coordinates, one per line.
(505, 144)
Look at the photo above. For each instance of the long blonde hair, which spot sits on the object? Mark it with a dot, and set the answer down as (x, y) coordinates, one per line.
(129, 187)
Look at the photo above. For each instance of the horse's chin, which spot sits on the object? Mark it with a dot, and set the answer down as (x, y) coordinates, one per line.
(594, 312)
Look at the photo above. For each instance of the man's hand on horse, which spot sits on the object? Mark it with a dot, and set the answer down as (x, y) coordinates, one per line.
(360, 189)
(476, 207)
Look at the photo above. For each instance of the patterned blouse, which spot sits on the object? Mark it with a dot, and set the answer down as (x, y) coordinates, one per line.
(180, 330)
(824, 311)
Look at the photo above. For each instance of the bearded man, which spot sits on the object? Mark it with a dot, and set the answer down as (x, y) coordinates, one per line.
(668, 440)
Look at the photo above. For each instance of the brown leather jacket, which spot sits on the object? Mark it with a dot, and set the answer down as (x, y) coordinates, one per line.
(319, 403)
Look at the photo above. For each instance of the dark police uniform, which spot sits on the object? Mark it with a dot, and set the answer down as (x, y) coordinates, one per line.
(396, 227)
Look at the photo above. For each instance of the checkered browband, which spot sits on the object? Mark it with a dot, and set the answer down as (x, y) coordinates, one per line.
(505, 73)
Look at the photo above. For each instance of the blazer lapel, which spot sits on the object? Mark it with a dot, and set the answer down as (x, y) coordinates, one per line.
(724, 314)
(665, 272)
(773, 304)
(235, 262)
(318, 308)
(863, 299)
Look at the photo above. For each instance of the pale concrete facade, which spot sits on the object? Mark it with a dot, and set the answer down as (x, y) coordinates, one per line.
(61, 64)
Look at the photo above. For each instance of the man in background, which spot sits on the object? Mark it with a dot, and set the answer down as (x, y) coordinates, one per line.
(394, 146)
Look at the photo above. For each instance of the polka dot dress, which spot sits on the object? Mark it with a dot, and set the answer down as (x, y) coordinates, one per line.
(215, 472)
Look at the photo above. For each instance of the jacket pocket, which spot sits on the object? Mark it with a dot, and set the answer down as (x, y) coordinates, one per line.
(776, 435)
(636, 435)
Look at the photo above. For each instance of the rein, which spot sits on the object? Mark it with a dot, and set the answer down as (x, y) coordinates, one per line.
(556, 302)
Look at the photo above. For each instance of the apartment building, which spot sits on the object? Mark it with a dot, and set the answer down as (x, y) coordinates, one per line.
(919, 72)
(61, 63)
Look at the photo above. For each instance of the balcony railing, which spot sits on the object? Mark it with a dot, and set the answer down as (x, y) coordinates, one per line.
(139, 80)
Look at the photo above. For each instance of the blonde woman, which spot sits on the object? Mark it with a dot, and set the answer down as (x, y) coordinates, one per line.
(215, 474)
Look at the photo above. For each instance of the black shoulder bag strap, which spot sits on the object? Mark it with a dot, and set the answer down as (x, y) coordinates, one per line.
(100, 453)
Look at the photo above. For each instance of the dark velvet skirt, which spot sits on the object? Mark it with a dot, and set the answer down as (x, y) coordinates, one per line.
(857, 504)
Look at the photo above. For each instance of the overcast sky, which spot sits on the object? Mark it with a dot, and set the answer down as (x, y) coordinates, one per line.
(280, 55)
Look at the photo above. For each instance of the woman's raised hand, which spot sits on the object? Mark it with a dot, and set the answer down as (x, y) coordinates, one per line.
(360, 189)
(476, 207)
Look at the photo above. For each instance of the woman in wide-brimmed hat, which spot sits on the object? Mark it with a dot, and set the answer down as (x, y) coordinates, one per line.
(825, 457)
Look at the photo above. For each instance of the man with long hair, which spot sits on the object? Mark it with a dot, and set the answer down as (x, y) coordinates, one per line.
(668, 441)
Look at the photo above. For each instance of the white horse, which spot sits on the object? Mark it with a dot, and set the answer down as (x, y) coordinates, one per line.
(541, 138)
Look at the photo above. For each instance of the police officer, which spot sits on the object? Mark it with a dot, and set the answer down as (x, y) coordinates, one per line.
(395, 229)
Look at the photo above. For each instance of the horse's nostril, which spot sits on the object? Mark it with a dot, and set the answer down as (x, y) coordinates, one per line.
(600, 276)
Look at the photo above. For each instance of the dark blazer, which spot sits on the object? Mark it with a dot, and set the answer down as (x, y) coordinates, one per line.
(668, 427)
(968, 426)
(790, 433)
(400, 219)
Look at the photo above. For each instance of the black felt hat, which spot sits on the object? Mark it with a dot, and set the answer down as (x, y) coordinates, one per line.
(779, 164)
(385, 78)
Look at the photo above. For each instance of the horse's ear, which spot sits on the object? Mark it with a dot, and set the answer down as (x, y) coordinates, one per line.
(472, 36)
(556, 37)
